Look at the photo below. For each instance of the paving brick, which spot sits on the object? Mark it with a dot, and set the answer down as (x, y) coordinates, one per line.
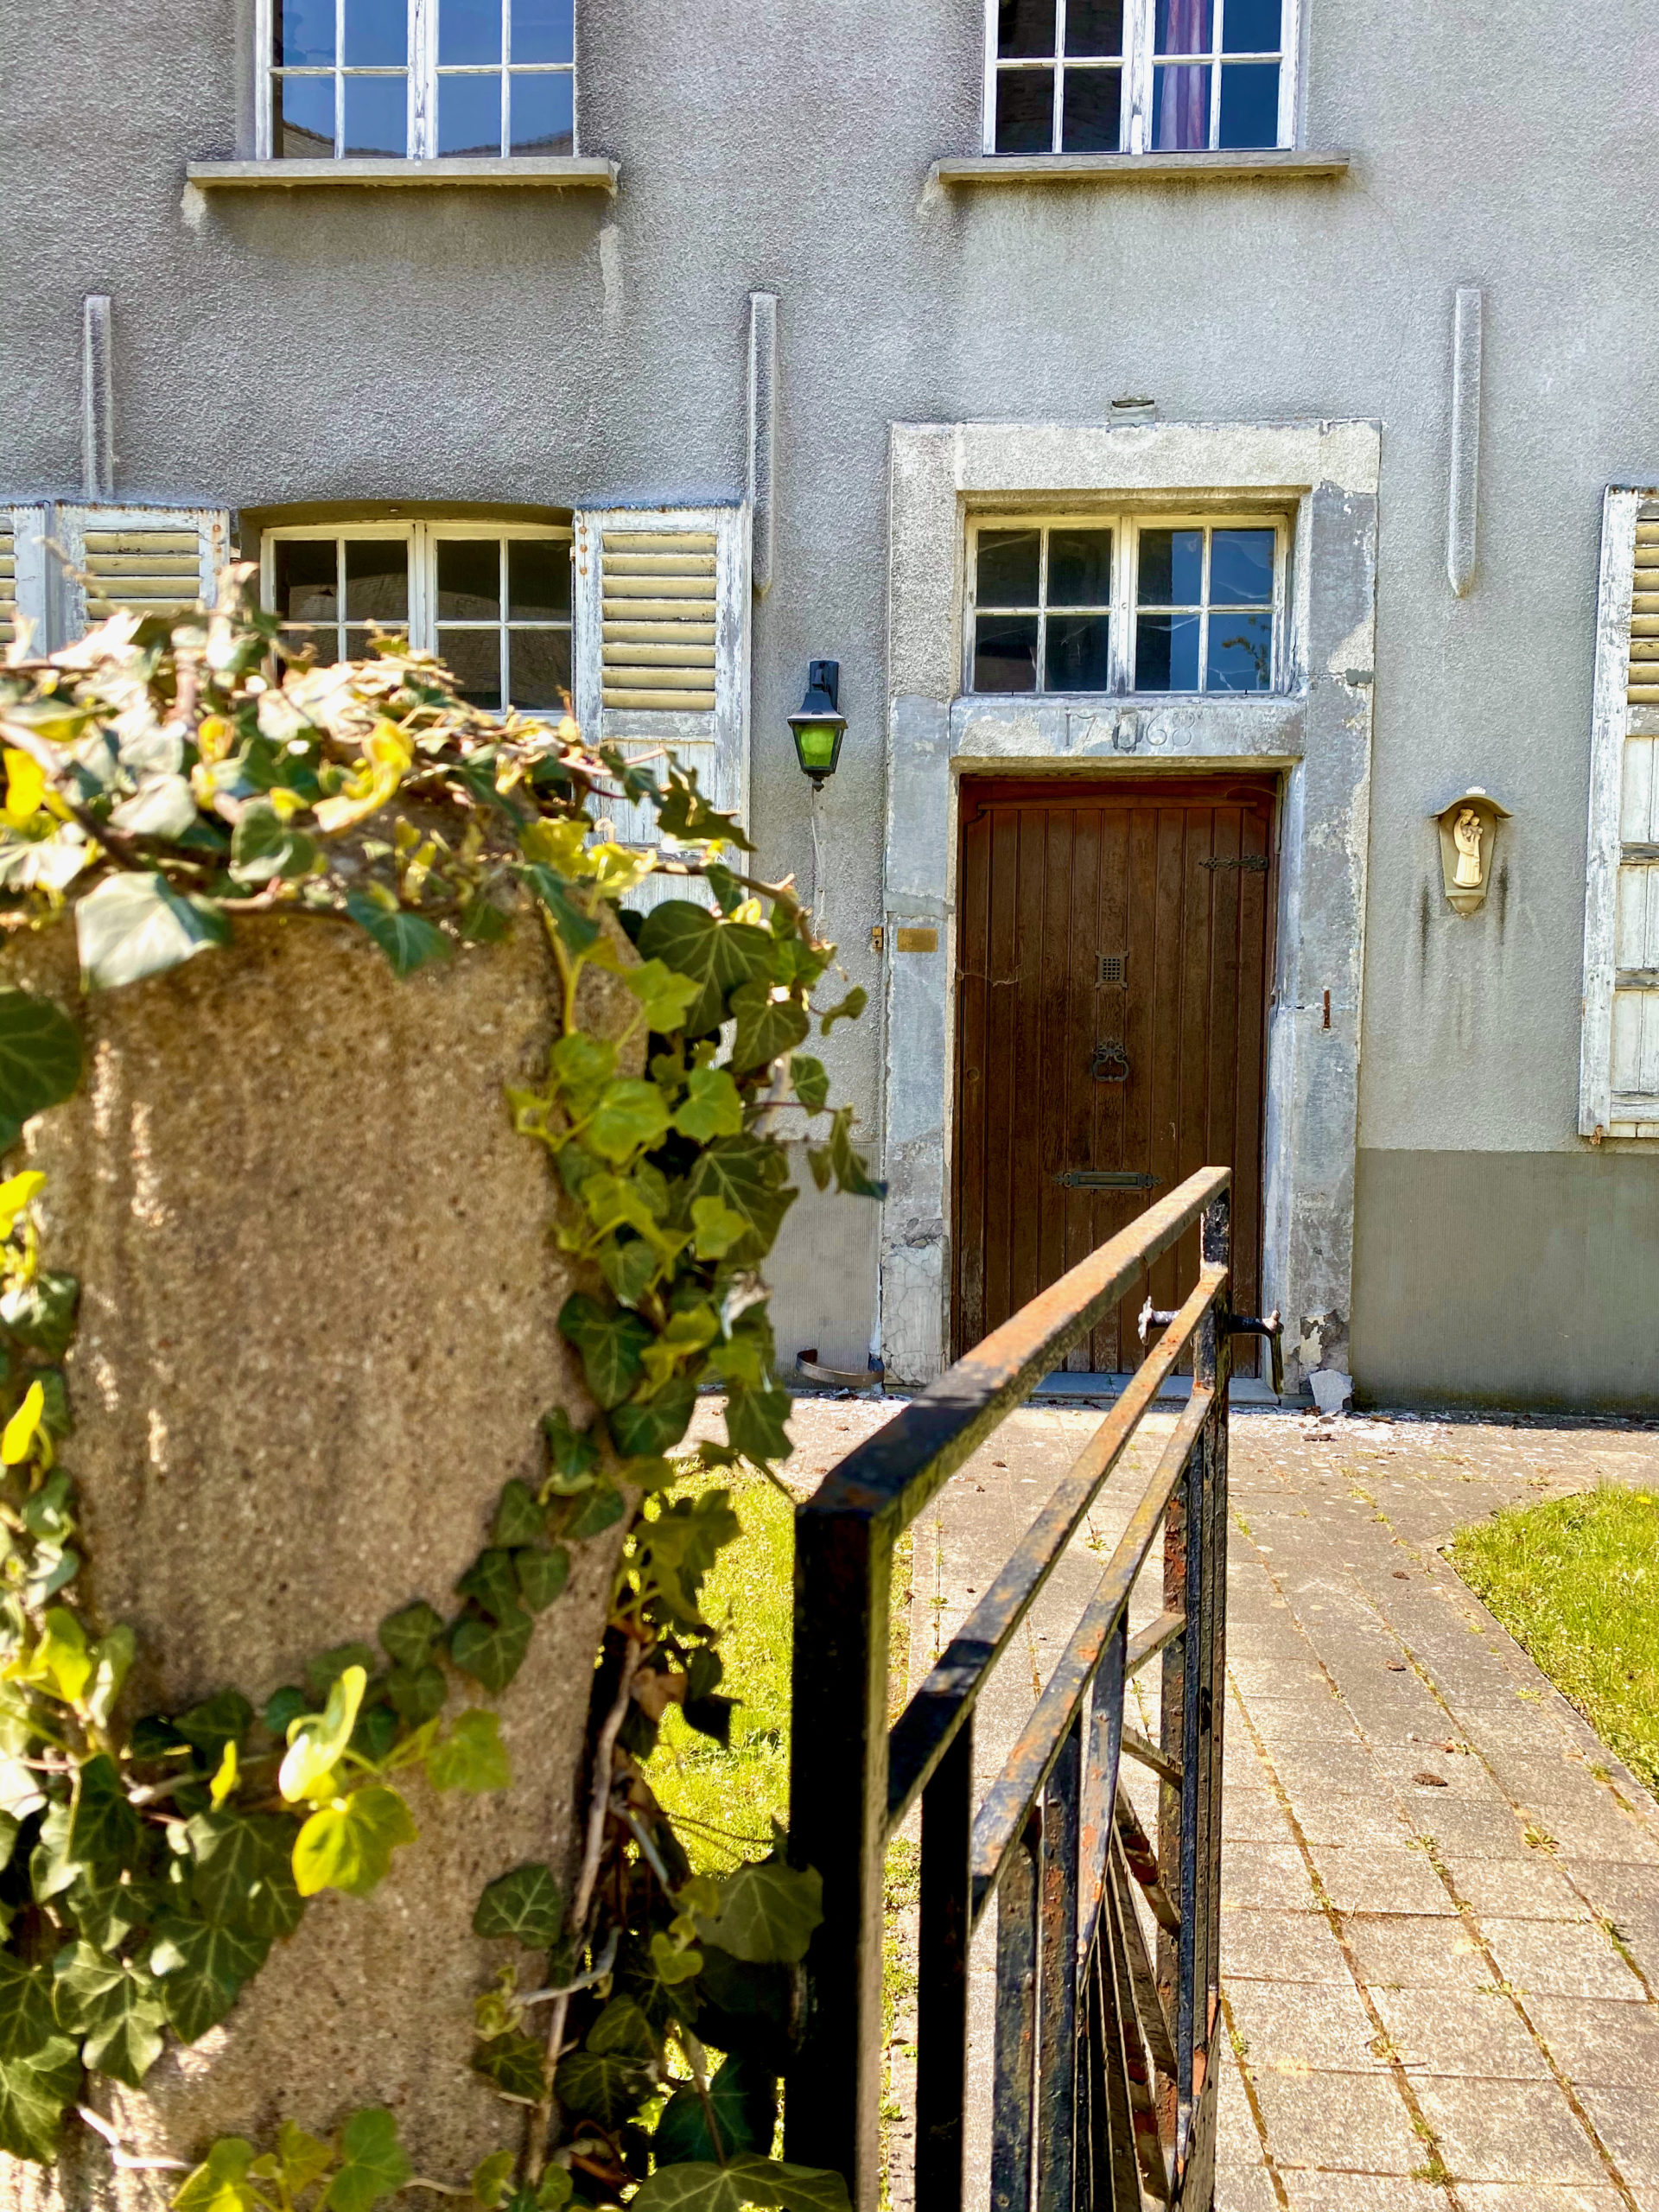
(1309, 2192)
(1416, 1952)
(1373, 1878)
(1599, 2041)
(1474, 2033)
(1298, 2026)
(1274, 1875)
(1280, 1946)
(1245, 2186)
(1558, 1959)
(1507, 2131)
(1525, 1889)
(1527, 2196)
(1627, 2121)
(1349, 1817)
(1352, 2123)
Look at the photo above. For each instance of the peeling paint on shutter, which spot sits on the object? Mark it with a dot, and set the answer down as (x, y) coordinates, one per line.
(149, 560)
(659, 604)
(1618, 1089)
(22, 574)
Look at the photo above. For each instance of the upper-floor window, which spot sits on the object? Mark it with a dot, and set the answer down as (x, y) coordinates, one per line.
(1127, 604)
(492, 600)
(1137, 76)
(402, 79)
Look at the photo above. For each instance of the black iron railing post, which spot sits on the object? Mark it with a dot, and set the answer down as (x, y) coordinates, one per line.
(837, 1822)
(1014, 2061)
(1056, 2042)
(942, 1999)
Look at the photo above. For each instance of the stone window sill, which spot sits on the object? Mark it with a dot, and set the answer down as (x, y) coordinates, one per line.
(1138, 169)
(553, 172)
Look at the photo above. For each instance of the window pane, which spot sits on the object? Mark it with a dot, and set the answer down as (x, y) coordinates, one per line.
(542, 115)
(303, 117)
(1094, 26)
(475, 658)
(1240, 567)
(1250, 104)
(322, 644)
(377, 34)
(1005, 652)
(544, 30)
(468, 31)
(1166, 653)
(1024, 111)
(1180, 109)
(305, 34)
(1093, 111)
(469, 114)
(1240, 653)
(357, 644)
(538, 668)
(1077, 659)
(377, 115)
(307, 586)
(538, 580)
(1172, 567)
(1008, 561)
(1079, 568)
(377, 580)
(1024, 27)
(1251, 26)
(1182, 26)
(469, 580)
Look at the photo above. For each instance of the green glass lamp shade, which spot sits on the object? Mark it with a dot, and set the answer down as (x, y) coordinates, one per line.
(820, 725)
(817, 744)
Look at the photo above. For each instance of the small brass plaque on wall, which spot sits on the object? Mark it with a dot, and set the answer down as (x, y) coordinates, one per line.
(919, 940)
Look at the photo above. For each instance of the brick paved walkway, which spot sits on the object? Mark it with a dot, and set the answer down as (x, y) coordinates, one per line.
(1441, 1945)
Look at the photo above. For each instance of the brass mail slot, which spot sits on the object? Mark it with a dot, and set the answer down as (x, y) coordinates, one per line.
(919, 940)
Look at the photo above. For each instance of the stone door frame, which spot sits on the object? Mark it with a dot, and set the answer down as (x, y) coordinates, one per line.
(1316, 735)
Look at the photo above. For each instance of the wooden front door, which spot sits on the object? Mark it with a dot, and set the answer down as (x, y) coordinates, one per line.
(1113, 955)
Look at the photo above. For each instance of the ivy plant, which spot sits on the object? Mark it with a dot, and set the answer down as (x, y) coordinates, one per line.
(162, 781)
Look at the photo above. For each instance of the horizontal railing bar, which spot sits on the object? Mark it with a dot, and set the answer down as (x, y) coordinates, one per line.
(1136, 1746)
(923, 1732)
(1153, 1639)
(1016, 1788)
(892, 1475)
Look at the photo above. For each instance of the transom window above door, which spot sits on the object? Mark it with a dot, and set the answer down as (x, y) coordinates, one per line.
(1138, 76)
(492, 600)
(1130, 604)
(402, 79)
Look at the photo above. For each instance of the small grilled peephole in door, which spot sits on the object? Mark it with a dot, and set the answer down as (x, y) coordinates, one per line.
(1111, 968)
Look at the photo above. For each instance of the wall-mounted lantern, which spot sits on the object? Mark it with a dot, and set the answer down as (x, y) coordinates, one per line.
(1469, 846)
(820, 725)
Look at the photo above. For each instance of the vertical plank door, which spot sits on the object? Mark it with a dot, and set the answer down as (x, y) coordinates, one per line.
(1114, 960)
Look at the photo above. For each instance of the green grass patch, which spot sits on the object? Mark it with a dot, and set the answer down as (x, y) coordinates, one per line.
(1576, 1582)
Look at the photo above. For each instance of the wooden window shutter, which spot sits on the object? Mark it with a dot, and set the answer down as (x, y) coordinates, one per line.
(1618, 1086)
(153, 560)
(23, 532)
(662, 647)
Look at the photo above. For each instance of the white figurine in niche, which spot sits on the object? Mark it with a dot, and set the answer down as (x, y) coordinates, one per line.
(1467, 832)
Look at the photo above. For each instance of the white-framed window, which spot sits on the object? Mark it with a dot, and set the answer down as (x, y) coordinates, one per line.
(406, 79)
(1619, 1079)
(1139, 76)
(1150, 604)
(492, 599)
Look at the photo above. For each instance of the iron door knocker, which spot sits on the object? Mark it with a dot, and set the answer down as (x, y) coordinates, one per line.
(1110, 1063)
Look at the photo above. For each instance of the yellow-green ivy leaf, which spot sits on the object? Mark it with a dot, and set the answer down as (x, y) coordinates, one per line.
(17, 1438)
(471, 1757)
(315, 1741)
(373, 2163)
(17, 1192)
(718, 1227)
(712, 1107)
(348, 1845)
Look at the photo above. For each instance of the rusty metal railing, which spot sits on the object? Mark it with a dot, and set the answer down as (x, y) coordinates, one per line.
(1103, 2094)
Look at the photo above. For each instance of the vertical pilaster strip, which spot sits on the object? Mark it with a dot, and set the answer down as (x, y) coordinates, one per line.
(1462, 506)
(763, 434)
(97, 399)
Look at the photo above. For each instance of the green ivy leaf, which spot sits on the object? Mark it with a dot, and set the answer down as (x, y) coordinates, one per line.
(602, 2086)
(600, 1508)
(712, 1107)
(51, 1867)
(316, 1743)
(745, 2180)
(264, 847)
(41, 1314)
(104, 1829)
(516, 2065)
(200, 1970)
(348, 1845)
(811, 1082)
(225, 1718)
(767, 1027)
(518, 1519)
(541, 1575)
(630, 1116)
(34, 2094)
(105, 1907)
(471, 1757)
(482, 921)
(664, 998)
(754, 1423)
(25, 2015)
(848, 1009)
(417, 1693)
(40, 1059)
(408, 941)
(243, 1876)
(117, 2010)
(373, 2163)
(646, 1427)
(611, 1346)
(718, 1228)
(302, 2159)
(577, 931)
(525, 1904)
(767, 1913)
(491, 1583)
(222, 2183)
(407, 1636)
(749, 1175)
(131, 926)
(581, 1067)
(716, 954)
(491, 2179)
(630, 1268)
(744, 2095)
(325, 1670)
(573, 1453)
(491, 1652)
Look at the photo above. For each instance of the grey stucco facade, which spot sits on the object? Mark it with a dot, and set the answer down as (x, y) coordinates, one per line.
(474, 349)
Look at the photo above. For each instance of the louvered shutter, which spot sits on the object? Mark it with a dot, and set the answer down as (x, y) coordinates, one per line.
(1619, 1076)
(23, 574)
(662, 647)
(154, 560)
